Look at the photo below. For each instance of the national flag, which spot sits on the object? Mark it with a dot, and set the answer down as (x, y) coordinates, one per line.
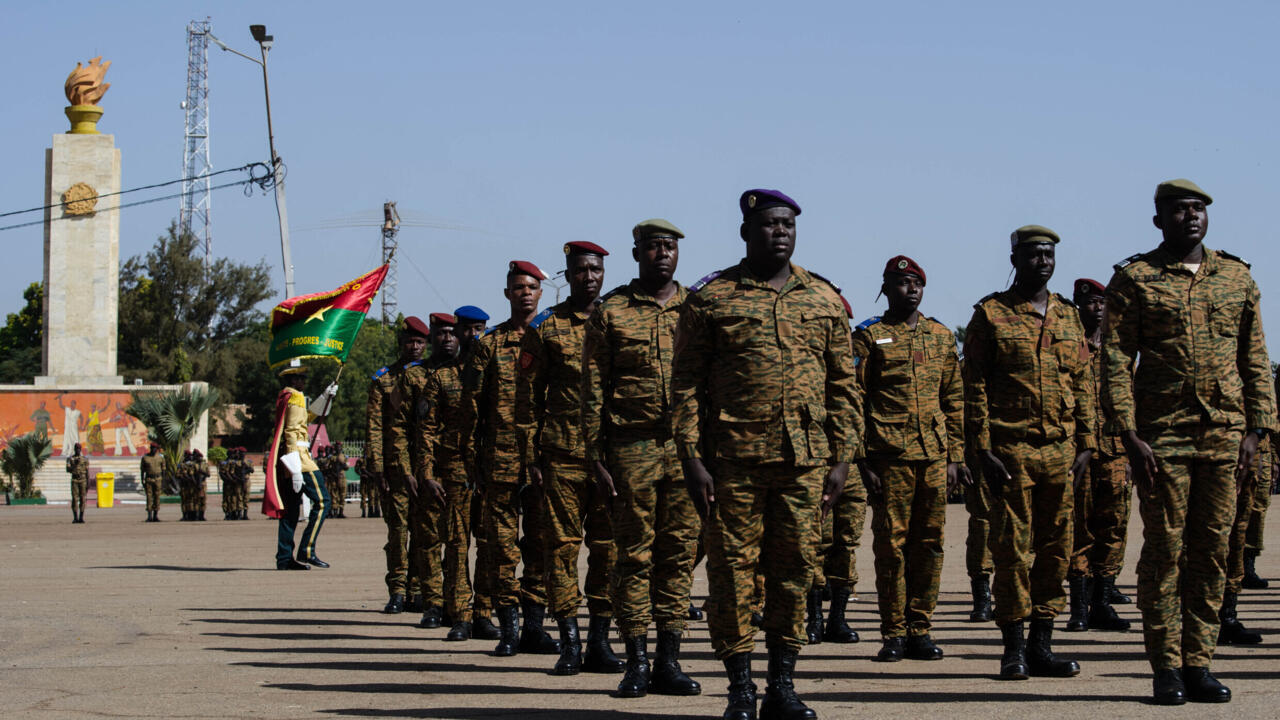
(322, 325)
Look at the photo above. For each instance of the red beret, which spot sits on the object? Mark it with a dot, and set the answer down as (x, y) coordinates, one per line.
(582, 247)
(412, 325)
(903, 265)
(524, 267)
(1088, 286)
(443, 319)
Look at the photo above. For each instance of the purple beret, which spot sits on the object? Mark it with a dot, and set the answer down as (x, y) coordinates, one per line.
(756, 200)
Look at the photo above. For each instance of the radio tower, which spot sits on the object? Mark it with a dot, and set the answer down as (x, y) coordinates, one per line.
(390, 226)
(193, 216)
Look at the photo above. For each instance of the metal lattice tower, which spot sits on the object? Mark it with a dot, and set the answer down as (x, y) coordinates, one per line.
(193, 216)
(390, 285)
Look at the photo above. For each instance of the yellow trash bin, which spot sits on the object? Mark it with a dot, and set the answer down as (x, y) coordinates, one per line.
(106, 489)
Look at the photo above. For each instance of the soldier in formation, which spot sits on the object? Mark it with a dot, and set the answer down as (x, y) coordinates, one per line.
(370, 493)
(243, 472)
(151, 471)
(78, 469)
(198, 476)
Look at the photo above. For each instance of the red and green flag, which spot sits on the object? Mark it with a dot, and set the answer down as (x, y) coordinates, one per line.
(322, 325)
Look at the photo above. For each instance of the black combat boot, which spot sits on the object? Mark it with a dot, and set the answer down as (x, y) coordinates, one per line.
(460, 631)
(1013, 664)
(893, 650)
(981, 588)
(1251, 579)
(1167, 687)
(509, 623)
(635, 681)
(414, 603)
(780, 700)
(1101, 615)
(1203, 687)
(814, 625)
(922, 647)
(1115, 597)
(599, 657)
(482, 628)
(200, 518)
(838, 630)
(668, 677)
(432, 617)
(757, 618)
(1079, 620)
(533, 638)
(742, 692)
(395, 605)
(1233, 631)
(1040, 658)
(695, 612)
(570, 662)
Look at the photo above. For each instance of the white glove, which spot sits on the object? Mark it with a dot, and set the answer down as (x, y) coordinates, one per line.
(332, 390)
(322, 404)
(302, 445)
(293, 463)
(297, 483)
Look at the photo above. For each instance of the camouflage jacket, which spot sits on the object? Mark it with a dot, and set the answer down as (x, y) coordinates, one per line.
(1109, 446)
(763, 375)
(78, 466)
(548, 388)
(1027, 376)
(626, 367)
(489, 403)
(382, 403)
(1203, 354)
(442, 424)
(409, 455)
(911, 392)
(152, 466)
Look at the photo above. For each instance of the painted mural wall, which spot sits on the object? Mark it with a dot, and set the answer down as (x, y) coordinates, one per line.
(96, 420)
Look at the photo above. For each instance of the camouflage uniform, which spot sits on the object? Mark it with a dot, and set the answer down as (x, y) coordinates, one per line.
(226, 479)
(200, 485)
(1029, 400)
(626, 420)
(411, 457)
(78, 467)
(977, 504)
(1203, 379)
(1245, 500)
(489, 384)
(1102, 500)
(1261, 500)
(244, 471)
(384, 402)
(764, 391)
(913, 409)
(549, 398)
(152, 471)
(338, 465)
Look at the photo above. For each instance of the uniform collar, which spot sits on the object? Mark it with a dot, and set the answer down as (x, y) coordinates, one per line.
(1162, 257)
(1022, 305)
(799, 277)
(638, 293)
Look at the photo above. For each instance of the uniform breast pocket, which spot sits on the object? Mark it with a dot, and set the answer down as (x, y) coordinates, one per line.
(1226, 314)
(632, 346)
(893, 362)
(1162, 317)
(739, 331)
(815, 329)
(1016, 348)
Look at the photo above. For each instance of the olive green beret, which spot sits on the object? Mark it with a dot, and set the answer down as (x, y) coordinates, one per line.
(655, 226)
(1033, 234)
(1181, 188)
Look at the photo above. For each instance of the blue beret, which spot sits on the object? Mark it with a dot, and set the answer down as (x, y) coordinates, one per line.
(756, 200)
(471, 313)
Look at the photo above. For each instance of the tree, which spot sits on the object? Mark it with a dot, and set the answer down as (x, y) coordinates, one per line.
(22, 458)
(22, 337)
(171, 419)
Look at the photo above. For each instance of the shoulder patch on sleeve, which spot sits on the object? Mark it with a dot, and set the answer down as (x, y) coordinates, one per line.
(983, 300)
(541, 317)
(489, 331)
(837, 287)
(703, 282)
(868, 322)
(386, 369)
(1229, 256)
(1128, 261)
(415, 363)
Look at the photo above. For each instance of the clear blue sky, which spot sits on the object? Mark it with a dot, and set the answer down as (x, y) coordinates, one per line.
(930, 129)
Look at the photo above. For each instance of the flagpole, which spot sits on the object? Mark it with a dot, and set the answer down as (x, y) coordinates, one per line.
(328, 405)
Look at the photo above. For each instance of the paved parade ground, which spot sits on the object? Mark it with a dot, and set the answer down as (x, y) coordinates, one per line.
(118, 618)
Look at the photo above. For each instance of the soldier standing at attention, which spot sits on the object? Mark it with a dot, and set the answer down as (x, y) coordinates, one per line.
(226, 479)
(443, 427)
(1029, 411)
(489, 424)
(765, 428)
(243, 470)
(366, 482)
(1268, 467)
(383, 403)
(550, 396)
(152, 472)
(185, 487)
(339, 461)
(913, 411)
(78, 468)
(1190, 415)
(1233, 631)
(626, 420)
(1101, 499)
(291, 451)
(977, 542)
(199, 484)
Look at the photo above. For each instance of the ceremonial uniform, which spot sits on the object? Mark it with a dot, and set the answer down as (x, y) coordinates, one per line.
(78, 468)
(1203, 380)
(292, 420)
(151, 469)
(913, 410)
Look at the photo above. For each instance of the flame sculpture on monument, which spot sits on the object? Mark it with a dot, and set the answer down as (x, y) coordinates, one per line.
(84, 88)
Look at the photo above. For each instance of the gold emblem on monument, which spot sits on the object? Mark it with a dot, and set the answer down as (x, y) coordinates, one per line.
(79, 199)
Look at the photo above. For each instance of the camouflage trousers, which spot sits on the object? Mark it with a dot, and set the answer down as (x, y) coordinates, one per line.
(1101, 518)
(1187, 517)
(426, 517)
(1258, 513)
(370, 496)
(482, 597)
(1031, 518)
(151, 488)
(79, 488)
(501, 518)
(459, 498)
(573, 514)
(837, 537)
(401, 551)
(655, 529)
(906, 523)
(977, 543)
(242, 493)
(763, 516)
(228, 496)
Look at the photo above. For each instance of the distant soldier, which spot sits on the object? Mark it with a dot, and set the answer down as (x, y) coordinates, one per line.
(489, 393)
(186, 487)
(626, 418)
(1268, 469)
(78, 468)
(340, 475)
(1233, 631)
(977, 543)
(152, 471)
(227, 481)
(912, 403)
(244, 471)
(199, 473)
(1029, 412)
(764, 424)
(1190, 412)
(1101, 498)
(366, 503)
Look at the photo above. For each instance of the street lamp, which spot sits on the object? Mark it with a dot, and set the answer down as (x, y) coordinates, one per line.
(259, 33)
